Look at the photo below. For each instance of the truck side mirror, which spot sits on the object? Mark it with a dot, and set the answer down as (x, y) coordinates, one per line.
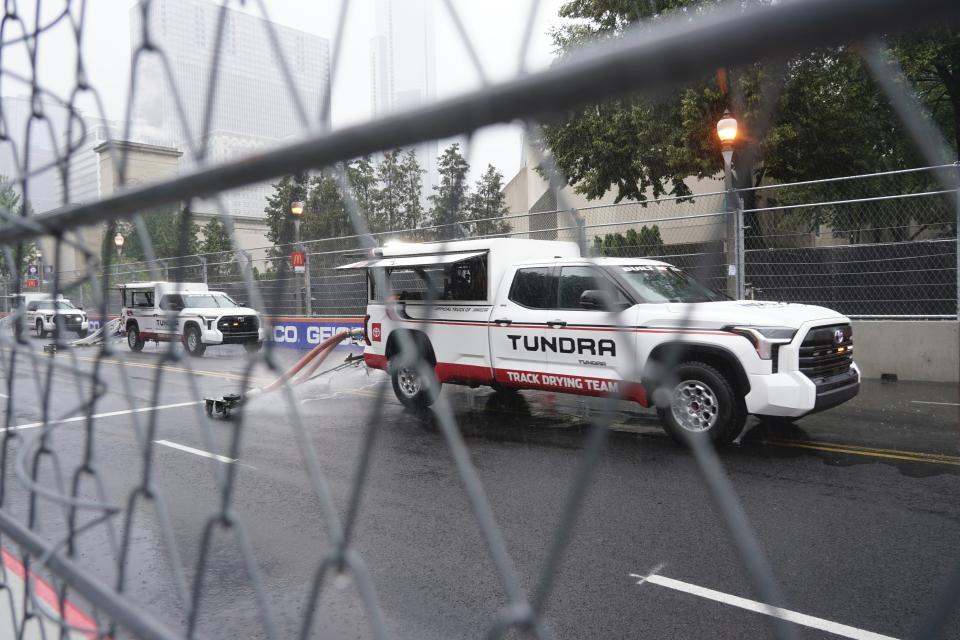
(596, 299)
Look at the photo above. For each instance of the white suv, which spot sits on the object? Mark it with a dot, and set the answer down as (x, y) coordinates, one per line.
(43, 316)
(189, 312)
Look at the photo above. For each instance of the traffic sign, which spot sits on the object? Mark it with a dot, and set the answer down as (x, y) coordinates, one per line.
(33, 283)
(298, 260)
(33, 270)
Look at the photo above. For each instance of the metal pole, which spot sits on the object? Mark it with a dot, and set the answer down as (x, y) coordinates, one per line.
(203, 266)
(308, 289)
(296, 280)
(956, 232)
(731, 242)
(581, 230)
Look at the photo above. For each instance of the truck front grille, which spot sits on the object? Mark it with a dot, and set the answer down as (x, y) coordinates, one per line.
(827, 351)
(233, 325)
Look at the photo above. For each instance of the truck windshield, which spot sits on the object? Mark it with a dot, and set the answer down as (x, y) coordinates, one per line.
(60, 305)
(207, 301)
(662, 283)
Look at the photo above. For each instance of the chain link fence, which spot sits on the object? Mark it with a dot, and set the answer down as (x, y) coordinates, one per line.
(75, 544)
(880, 245)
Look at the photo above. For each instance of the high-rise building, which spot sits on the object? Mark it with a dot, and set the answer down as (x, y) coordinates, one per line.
(253, 107)
(403, 67)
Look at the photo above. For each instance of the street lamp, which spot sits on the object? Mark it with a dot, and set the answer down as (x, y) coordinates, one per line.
(727, 132)
(118, 241)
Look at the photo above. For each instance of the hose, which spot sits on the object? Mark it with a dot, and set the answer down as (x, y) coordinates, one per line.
(314, 358)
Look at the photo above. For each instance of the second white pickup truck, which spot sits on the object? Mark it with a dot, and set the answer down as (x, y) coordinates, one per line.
(531, 314)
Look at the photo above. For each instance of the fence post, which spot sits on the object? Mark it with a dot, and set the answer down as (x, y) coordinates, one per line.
(741, 262)
(581, 223)
(956, 233)
(731, 250)
(203, 267)
(307, 289)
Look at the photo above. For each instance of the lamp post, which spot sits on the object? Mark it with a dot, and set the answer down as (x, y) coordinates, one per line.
(727, 132)
(118, 243)
(296, 210)
(40, 271)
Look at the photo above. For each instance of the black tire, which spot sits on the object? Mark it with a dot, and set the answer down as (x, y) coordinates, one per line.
(411, 389)
(252, 347)
(193, 342)
(41, 332)
(81, 333)
(708, 402)
(134, 341)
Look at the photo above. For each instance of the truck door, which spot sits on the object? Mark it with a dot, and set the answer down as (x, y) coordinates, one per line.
(589, 343)
(517, 326)
(144, 312)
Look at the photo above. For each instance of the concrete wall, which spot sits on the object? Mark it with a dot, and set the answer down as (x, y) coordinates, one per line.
(927, 351)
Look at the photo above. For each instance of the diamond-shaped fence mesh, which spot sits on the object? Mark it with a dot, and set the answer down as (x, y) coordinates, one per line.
(74, 558)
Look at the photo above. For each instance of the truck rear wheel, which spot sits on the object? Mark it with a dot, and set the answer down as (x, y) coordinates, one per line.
(414, 390)
(193, 342)
(134, 341)
(702, 402)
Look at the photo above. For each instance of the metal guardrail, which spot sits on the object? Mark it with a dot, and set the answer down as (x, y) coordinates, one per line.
(643, 60)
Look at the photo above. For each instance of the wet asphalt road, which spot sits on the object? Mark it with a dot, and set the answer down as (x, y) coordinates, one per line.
(856, 508)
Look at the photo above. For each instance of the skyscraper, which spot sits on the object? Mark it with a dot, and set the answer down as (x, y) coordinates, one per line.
(403, 68)
(253, 108)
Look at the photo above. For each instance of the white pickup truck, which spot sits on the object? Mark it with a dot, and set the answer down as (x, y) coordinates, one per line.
(43, 314)
(532, 314)
(188, 312)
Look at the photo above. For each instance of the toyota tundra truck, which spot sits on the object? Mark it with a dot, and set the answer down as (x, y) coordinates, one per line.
(44, 314)
(188, 312)
(534, 314)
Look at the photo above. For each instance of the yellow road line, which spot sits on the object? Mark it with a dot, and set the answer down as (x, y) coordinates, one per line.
(150, 365)
(857, 450)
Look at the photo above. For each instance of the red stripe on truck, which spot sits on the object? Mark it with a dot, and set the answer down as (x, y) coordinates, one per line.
(579, 385)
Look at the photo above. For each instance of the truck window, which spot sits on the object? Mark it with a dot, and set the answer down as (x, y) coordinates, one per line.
(575, 280)
(460, 281)
(32, 306)
(174, 299)
(141, 299)
(534, 287)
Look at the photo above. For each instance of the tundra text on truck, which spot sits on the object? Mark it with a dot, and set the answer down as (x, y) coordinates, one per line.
(531, 314)
(187, 311)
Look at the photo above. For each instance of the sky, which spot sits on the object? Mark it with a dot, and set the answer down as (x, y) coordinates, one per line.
(494, 26)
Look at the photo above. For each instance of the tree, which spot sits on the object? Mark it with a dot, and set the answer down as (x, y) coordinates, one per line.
(218, 247)
(326, 214)
(487, 205)
(829, 117)
(363, 186)
(171, 231)
(390, 195)
(280, 227)
(411, 191)
(25, 252)
(449, 200)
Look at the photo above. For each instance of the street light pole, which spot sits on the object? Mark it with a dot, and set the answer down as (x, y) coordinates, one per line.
(727, 132)
(296, 210)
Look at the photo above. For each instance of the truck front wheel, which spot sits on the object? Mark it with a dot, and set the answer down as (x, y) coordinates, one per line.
(134, 341)
(414, 383)
(193, 342)
(701, 402)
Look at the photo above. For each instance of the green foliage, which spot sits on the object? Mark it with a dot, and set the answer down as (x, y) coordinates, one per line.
(26, 252)
(171, 231)
(645, 243)
(449, 200)
(326, 214)
(487, 205)
(411, 190)
(829, 116)
(221, 261)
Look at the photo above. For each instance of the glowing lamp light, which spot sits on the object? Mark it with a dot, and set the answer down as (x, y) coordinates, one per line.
(118, 241)
(296, 208)
(727, 128)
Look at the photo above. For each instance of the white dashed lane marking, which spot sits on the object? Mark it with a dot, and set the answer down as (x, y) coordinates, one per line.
(196, 452)
(109, 414)
(758, 607)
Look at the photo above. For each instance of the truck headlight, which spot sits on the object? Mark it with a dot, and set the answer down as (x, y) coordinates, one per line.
(765, 339)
